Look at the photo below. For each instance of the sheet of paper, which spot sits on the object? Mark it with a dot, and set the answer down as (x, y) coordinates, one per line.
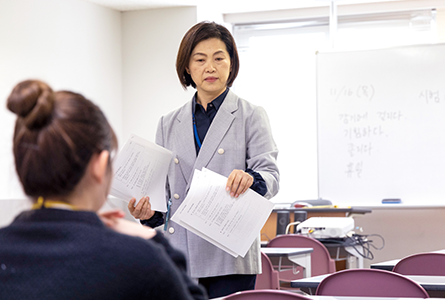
(140, 169)
(209, 239)
(183, 207)
(230, 223)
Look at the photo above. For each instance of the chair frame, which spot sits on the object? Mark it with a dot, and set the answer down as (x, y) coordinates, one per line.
(429, 263)
(265, 295)
(369, 283)
(269, 278)
(278, 241)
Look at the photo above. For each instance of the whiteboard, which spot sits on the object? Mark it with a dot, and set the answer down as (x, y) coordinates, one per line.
(381, 125)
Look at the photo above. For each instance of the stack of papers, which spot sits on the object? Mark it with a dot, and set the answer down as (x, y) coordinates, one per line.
(140, 169)
(229, 223)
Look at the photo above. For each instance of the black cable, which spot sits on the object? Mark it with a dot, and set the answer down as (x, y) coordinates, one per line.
(366, 244)
(358, 240)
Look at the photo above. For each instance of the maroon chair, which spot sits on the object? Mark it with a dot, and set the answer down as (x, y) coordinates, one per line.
(268, 279)
(369, 283)
(321, 261)
(266, 295)
(422, 264)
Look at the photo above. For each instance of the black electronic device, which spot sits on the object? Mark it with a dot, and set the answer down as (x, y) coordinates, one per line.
(299, 216)
(283, 218)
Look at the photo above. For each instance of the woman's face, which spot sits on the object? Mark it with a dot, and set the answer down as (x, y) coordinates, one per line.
(209, 67)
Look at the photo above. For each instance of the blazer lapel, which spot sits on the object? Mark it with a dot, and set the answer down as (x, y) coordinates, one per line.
(217, 130)
(186, 142)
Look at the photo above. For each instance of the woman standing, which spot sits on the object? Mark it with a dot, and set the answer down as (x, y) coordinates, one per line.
(224, 133)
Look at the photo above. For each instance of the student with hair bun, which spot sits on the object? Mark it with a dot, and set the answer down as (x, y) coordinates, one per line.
(62, 249)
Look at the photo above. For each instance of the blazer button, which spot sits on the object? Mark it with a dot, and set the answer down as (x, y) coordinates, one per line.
(221, 151)
(171, 230)
(176, 196)
(176, 160)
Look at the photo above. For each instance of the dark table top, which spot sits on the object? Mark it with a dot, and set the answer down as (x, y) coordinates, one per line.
(352, 209)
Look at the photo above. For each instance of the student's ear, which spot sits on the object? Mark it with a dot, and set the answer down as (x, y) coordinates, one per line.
(99, 165)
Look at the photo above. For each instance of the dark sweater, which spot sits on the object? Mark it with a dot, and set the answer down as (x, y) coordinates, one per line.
(61, 254)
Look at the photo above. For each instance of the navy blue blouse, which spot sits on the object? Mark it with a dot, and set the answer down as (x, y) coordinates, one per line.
(203, 120)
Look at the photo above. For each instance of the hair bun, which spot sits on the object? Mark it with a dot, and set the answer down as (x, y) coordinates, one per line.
(33, 101)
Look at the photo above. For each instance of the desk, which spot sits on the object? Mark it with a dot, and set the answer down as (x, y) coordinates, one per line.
(269, 230)
(386, 265)
(298, 256)
(339, 249)
(429, 283)
(389, 265)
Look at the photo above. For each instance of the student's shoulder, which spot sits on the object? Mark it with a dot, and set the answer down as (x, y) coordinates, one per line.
(148, 265)
(131, 245)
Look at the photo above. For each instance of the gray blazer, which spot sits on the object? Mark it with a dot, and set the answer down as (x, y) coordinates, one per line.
(238, 138)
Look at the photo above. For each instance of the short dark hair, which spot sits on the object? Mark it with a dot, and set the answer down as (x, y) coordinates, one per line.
(198, 33)
(55, 136)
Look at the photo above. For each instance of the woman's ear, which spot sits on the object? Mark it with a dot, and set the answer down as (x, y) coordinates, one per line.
(99, 165)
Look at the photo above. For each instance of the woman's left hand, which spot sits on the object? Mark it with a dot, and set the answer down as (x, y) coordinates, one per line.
(238, 182)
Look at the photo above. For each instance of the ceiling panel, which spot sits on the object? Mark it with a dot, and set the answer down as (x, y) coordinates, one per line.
(227, 6)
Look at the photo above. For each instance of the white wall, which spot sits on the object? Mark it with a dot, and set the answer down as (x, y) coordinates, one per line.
(208, 11)
(70, 44)
(405, 231)
(151, 88)
(151, 40)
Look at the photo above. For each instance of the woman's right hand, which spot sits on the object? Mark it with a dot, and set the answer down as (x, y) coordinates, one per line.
(142, 210)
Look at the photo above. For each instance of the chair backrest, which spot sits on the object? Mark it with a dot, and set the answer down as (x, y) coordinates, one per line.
(321, 261)
(369, 283)
(268, 279)
(265, 295)
(422, 264)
